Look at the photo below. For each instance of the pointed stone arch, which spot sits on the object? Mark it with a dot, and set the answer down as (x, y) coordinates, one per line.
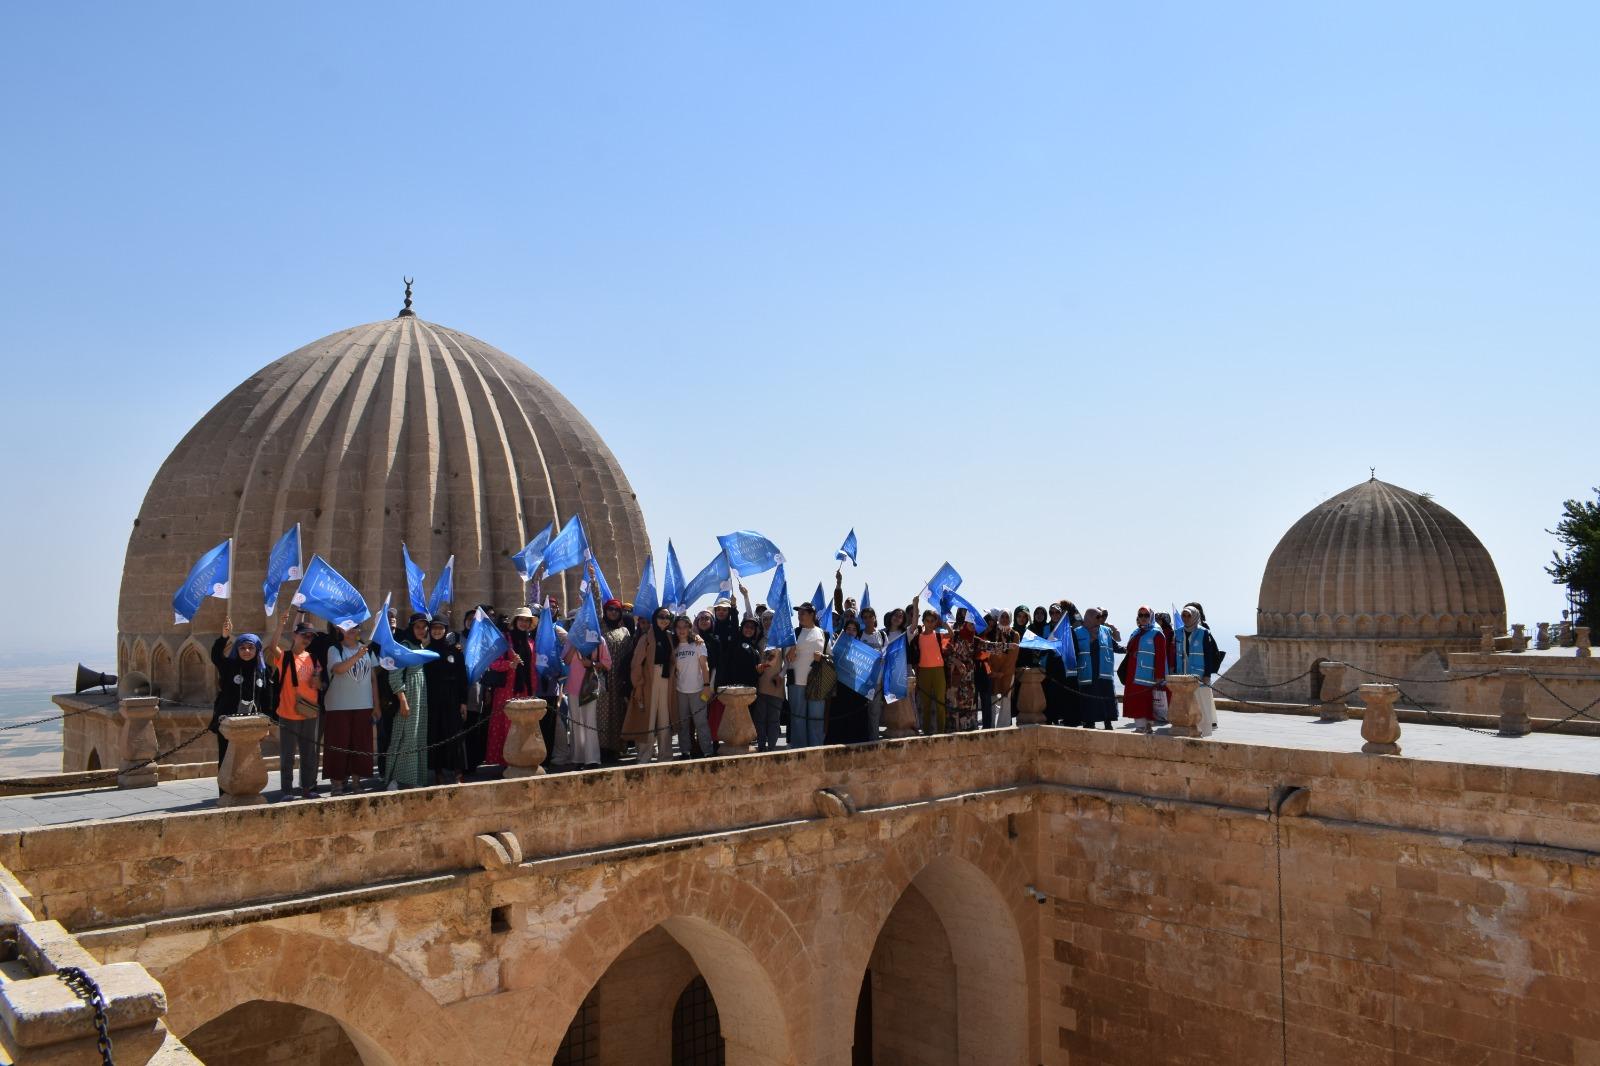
(390, 1019)
(196, 677)
(163, 671)
(141, 657)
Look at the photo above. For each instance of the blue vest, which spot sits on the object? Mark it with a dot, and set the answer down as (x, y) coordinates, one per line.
(1191, 651)
(1144, 665)
(1086, 671)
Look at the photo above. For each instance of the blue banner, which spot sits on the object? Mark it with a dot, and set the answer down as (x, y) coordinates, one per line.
(749, 552)
(602, 587)
(712, 578)
(208, 577)
(544, 641)
(894, 668)
(781, 633)
(416, 590)
(847, 550)
(824, 608)
(672, 582)
(644, 601)
(858, 664)
(282, 565)
(568, 548)
(866, 598)
(529, 558)
(1068, 646)
(952, 600)
(933, 591)
(485, 644)
(393, 655)
(326, 594)
(445, 590)
(585, 632)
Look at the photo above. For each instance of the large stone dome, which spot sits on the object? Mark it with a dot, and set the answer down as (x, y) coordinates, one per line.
(1379, 561)
(395, 431)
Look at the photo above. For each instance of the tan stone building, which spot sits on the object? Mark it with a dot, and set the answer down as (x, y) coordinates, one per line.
(1378, 577)
(396, 431)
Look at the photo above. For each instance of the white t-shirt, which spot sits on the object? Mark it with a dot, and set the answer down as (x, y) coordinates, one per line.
(351, 690)
(808, 643)
(690, 672)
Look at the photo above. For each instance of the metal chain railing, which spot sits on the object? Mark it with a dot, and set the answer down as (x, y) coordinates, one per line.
(84, 988)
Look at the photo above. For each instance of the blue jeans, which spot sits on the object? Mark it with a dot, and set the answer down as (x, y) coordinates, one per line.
(805, 718)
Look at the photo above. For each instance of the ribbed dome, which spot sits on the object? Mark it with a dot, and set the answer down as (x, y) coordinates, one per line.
(1379, 561)
(397, 430)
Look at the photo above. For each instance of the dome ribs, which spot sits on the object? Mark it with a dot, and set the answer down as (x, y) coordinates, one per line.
(461, 477)
(380, 495)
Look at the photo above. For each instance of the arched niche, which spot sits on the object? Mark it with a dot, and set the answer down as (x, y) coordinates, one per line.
(262, 1031)
(196, 675)
(163, 671)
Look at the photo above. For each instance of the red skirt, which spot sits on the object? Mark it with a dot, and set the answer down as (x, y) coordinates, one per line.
(347, 744)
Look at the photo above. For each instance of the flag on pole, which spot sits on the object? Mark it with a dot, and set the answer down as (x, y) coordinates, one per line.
(416, 590)
(824, 610)
(866, 597)
(208, 577)
(672, 582)
(847, 550)
(781, 633)
(568, 548)
(602, 586)
(282, 565)
(895, 673)
(951, 600)
(644, 601)
(444, 590)
(749, 552)
(393, 655)
(529, 558)
(325, 593)
(712, 578)
(544, 641)
(585, 632)
(945, 578)
(485, 644)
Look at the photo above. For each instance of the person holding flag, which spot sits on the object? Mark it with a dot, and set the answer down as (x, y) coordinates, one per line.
(298, 709)
(649, 719)
(514, 675)
(1097, 694)
(588, 660)
(446, 679)
(925, 653)
(246, 682)
(350, 710)
(612, 712)
(407, 763)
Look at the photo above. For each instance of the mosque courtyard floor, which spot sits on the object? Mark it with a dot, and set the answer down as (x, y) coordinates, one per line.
(1439, 743)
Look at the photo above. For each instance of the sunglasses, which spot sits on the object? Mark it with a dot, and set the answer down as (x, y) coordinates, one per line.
(1144, 614)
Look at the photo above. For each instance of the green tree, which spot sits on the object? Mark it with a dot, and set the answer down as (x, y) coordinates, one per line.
(1579, 568)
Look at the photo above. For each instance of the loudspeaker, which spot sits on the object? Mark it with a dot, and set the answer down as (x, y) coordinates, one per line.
(88, 678)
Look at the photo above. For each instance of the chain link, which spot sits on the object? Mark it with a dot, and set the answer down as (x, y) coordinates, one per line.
(84, 988)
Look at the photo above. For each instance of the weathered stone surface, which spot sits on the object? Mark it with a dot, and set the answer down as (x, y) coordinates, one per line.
(524, 749)
(242, 775)
(138, 742)
(736, 733)
(1380, 727)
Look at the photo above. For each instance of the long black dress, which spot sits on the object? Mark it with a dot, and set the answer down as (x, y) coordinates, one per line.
(446, 679)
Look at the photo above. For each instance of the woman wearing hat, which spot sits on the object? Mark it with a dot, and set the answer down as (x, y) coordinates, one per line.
(245, 681)
(520, 671)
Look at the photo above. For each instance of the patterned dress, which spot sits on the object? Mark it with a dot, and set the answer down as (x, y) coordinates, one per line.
(961, 691)
(408, 740)
(613, 702)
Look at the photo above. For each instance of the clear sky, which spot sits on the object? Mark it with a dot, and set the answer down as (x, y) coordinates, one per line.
(1092, 300)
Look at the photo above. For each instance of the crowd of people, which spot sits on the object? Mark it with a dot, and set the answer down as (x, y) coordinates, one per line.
(648, 690)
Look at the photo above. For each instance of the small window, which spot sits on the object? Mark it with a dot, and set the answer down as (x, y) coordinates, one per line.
(500, 920)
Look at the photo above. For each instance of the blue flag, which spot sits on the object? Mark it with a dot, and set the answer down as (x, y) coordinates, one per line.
(644, 601)
(866, 597)
(393, 655)
(749, 552)
(858, 664)
(824, 607)
(602, 586)
(894, 668)
(585, 632)
(416, 590)
(529, 558)
(933, 591)
(781, 633)
(208, 577)
(712, 578)
(952, 600)
(544, 641)
(282, 565)
(326, 594)
(672, 582)
(568, 548)
(485, 644)
(1068, 646)
(847, 550)
(445, 590)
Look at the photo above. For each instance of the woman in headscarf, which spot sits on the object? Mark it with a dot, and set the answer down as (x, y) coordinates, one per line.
(960, 668)
(1059, 706)
(246, 683)
(650, 715)
(520, 680)
(446, 679)
(585, 674)
(407, 762)
(847, 713)
(1144, 670)
(1096, 645)
(611, 712)
(1002, 665)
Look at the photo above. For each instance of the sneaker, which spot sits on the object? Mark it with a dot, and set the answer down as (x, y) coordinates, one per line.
(394, 786)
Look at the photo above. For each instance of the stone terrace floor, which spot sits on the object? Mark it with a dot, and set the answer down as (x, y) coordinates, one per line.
(1441, 743)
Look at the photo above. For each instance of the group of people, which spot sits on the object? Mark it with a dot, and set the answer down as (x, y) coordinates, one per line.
(341, 714)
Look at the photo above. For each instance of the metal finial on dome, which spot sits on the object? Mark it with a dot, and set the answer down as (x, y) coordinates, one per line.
(406, 312)
(1372, 469)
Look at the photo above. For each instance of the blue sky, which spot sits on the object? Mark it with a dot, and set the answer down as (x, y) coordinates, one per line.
(1093, 300)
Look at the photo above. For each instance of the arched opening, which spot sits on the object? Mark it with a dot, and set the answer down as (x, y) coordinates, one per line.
(195, 676)
(685, 993)
(947, 982)
(94, 760)
(262, 1033)
(163, 672)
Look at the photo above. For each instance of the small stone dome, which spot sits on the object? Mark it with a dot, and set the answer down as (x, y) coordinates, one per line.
(1379, 561)
(399, 430)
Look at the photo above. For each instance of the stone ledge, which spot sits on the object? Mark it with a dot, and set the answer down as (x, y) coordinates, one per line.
(43, 1010)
